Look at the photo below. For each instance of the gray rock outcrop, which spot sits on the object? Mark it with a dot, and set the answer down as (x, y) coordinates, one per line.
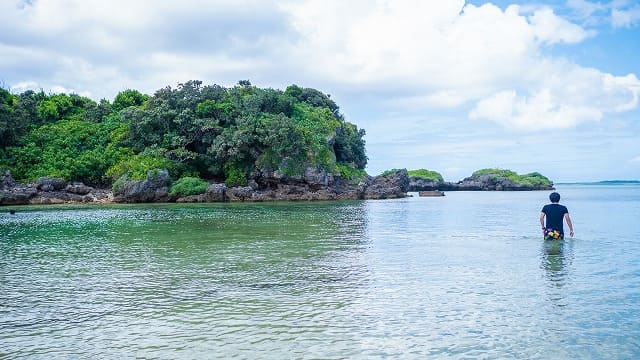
(420, 184)
(154, 189)
(216, 193)
(312, 184)
(50, 184)
(78, 188)
(431, 193)
(390, 186)
(18, 195)
(49, 191)
(7, 181)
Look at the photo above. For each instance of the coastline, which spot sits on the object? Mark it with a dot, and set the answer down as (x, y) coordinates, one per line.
(314, 185)
(156, 189)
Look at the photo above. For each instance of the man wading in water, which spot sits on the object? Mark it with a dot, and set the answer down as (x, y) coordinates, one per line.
(555, 214)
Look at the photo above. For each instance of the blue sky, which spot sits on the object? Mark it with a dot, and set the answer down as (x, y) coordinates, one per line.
(451, 86)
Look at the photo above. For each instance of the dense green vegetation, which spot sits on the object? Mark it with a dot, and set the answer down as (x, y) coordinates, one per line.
(354, 175)
(426, 175)
(194, 131)
(390, 171)
(188, 186)
(533, 179)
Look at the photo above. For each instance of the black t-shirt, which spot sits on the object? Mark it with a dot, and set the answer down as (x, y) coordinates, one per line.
(555, 215)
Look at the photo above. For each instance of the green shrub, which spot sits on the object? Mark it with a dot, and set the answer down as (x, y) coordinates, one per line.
(235, 176)
(349, 173)
(426, 175)
(389, 172)
(75, 150)
(136, 166)
(534, 178)
(316, 125)
(118, 185)
(187, 185)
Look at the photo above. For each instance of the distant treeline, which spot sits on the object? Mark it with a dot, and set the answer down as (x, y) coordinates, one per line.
(209, 132)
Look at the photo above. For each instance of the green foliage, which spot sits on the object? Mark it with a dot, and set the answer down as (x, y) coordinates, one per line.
(54, 108)
(191, 130)
(20, 114)
(8, 119)
(534, 179)
(268, 101)
(136, 166)
(426, 175)
(188, 185)
(98, 112)
(118, 185)
(294, 91)
(283, 145)
(25, 113)
(69, 149)
(62, 106)
(349, 145)
(493, 171)
(208, 108)
(317, 127)
(389, 172)
(128, 98)
(312, 97)
(353, 175)
(235, 176)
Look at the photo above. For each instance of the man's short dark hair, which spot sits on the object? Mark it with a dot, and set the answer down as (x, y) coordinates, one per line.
(554, 197)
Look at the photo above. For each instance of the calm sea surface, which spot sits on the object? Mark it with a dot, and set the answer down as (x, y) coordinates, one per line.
(463, 276)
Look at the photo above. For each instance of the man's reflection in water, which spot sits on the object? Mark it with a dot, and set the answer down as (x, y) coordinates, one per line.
(556, 257)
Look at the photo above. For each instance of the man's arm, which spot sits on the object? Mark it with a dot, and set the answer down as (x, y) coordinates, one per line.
(542, 221)
(567, 218)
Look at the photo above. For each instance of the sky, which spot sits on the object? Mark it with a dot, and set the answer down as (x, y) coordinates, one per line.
(452, 86)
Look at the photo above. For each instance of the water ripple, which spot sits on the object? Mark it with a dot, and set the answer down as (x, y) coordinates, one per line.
(465, 276)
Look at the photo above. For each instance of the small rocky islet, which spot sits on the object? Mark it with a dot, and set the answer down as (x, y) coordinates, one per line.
(481, 180)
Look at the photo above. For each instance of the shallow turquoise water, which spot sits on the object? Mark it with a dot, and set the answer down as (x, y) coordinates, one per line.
(464, 276)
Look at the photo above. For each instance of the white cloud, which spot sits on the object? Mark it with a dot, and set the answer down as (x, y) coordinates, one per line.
(420, 44)
(104, 47)
(585, 9)
(448, 54)
(415, 53)
(625, 17)
(560, 95)
(536, 111)
(617, 13)
(550, 28)
(443, 99)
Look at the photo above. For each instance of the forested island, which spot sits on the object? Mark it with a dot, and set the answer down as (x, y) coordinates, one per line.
(194, 142)
(198, 143)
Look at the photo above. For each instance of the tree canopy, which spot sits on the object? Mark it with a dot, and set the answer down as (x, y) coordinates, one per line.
(205, 131)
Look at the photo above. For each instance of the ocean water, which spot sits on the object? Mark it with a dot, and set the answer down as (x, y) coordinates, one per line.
(463, 276)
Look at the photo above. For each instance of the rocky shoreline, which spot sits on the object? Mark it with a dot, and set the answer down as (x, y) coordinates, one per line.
(312, 185)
